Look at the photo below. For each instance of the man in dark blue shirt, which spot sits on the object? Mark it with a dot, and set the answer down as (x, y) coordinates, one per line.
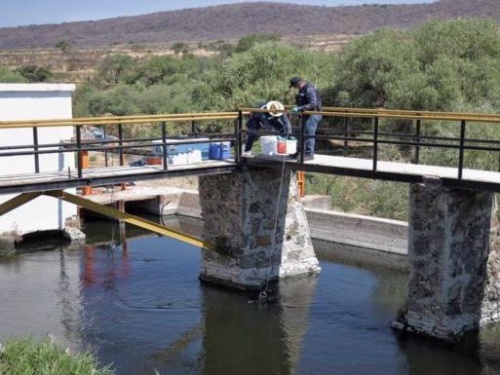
(274, 120)
(308, 99)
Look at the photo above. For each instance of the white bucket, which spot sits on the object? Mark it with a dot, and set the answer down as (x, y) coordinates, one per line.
(269, 144)
(291, 146)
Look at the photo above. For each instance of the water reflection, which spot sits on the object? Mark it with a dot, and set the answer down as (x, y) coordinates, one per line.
(253, 338)
(40, 295)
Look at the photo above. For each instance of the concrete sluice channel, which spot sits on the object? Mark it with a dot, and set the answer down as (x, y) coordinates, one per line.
(140, 306)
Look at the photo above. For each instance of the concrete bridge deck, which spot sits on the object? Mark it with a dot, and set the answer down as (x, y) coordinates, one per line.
(391, 171)
(33, 182)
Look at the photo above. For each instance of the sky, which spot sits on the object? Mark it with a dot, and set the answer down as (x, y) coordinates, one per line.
(28, 12)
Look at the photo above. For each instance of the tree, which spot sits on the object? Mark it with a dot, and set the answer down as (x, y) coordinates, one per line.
(115, 67)
(436, 67)
(247, 42)
(261, 73)
(180, 47)
(64, 46)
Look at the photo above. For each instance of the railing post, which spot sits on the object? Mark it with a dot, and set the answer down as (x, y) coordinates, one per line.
(302, 152)
(416, 159)
(105, 145)
(35, 148)
(79, 151)
(193, 129)
(120, 142)
(346, 131)
(164, 144)
(375, 142)
(461, 150)
(238, 137)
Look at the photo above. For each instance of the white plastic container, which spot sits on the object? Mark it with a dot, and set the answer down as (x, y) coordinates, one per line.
(291, 146)
(269, 144)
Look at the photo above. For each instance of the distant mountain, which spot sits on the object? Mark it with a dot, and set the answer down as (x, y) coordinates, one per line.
(234, 21)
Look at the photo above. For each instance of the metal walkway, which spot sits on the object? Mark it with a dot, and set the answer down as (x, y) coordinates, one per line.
(389, 171)
(47, 181)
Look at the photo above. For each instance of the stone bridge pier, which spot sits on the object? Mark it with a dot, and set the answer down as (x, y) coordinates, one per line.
(454, 257)
(259, 225)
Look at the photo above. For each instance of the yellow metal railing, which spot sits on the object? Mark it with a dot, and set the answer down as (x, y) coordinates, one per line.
(117, 120)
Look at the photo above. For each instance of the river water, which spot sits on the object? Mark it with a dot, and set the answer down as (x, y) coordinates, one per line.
(140, 307)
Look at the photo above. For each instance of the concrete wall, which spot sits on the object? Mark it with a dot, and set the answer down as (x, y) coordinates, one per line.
(30, 102)
(357, 231)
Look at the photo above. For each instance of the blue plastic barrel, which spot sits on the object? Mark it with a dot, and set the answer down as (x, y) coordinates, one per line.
(219, 151)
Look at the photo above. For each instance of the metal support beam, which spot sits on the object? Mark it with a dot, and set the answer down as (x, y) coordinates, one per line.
(17, 201)
(130, 219)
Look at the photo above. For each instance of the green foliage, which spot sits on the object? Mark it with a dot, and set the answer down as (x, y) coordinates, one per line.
(7, 76)
(436, 67)
(115, 68)
(249, 41)
(262, 73)
(180, 47)
(363, 196)
(43, 358)
(34, 73)
(464, 39)
(64, 46)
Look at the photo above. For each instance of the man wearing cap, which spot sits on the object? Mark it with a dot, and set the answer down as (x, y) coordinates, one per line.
(308, 99)
(274, 120)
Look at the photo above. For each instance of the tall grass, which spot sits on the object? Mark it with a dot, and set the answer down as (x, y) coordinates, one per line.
(30, 357)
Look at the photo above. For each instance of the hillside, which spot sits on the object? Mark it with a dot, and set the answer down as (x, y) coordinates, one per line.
(234, 21)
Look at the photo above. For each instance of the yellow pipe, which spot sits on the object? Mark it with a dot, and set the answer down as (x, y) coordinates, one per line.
(409, 117)
(120, 118)
(327, 111)
(408, 112)
(402, 114)
(130, 219)
(108, 121)
(17, 201)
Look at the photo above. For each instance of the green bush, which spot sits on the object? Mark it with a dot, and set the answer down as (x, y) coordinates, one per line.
(7, 76)
(28, 357)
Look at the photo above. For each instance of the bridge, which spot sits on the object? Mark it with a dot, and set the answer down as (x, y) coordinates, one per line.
(255, 228)
(451, 176)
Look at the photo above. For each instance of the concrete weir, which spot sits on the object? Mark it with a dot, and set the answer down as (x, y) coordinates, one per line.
(454, 256)
(259, 225)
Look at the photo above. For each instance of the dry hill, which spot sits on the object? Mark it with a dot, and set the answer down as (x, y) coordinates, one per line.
(234, 21)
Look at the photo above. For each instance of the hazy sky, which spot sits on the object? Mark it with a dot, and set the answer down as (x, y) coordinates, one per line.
(26, 12)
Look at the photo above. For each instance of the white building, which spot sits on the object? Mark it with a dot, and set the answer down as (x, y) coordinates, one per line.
(35, 102)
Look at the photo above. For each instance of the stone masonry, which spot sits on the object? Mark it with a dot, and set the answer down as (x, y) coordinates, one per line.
(258, 223)
(454, 282)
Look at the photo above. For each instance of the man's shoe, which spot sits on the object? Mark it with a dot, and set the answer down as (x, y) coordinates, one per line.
(308, 157)
(246, 153)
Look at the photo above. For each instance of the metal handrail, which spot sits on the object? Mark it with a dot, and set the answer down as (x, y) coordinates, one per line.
(116, 120)
(376, 115)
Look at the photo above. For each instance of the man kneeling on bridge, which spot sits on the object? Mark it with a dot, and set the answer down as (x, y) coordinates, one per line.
(274, 120)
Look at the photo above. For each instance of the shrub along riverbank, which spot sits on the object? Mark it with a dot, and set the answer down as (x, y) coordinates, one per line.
(29, 357)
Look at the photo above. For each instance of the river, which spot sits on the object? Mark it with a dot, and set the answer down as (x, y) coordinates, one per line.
(141, 308)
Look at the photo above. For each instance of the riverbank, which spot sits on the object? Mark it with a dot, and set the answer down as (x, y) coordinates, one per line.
(27, 356)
